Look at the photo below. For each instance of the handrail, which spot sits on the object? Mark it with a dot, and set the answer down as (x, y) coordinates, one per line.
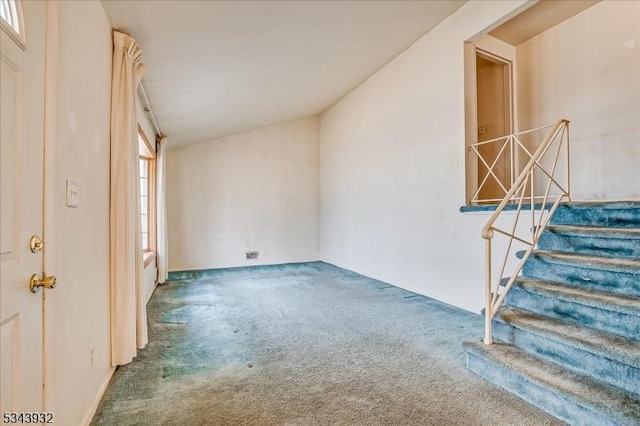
(523, 184)
(524, 132)
(523, 175)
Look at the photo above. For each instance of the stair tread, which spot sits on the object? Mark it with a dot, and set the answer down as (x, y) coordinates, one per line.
(594, 298)
(606, 232)
(619, 405)
(591, 340)
(579, 352)
(604, 205)
(628, 265)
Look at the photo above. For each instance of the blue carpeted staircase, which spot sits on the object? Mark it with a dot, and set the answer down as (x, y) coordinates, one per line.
(567, 338)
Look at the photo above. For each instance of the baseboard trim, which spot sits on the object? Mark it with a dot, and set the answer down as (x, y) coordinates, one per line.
(193, 273)
(155, 286)
(94, 407)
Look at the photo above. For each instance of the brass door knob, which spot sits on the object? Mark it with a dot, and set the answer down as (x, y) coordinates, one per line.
(45, 281)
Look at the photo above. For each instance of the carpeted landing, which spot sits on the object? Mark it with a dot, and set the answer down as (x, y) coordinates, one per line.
(304, 344)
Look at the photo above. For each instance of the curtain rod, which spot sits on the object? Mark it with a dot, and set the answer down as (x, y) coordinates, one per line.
(148, 110)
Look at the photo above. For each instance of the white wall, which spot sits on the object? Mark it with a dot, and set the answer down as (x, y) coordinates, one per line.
(144, 121)
(78, 309)
(392, 169)
(587, 70)
(253, 191)
(150, 274)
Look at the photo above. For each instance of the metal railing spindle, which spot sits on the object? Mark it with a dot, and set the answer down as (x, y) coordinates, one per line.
(525, 180)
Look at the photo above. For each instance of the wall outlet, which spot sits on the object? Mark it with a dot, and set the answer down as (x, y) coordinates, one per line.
(252, 254)
(73, 193)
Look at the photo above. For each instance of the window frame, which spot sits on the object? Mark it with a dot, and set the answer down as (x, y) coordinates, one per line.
(15, 29)
(147, 152)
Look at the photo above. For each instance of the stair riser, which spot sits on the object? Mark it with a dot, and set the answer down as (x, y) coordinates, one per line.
(609, 218)
(597, 366)
(596, 246)
(546, 399)
(575, 274)
(619, 323)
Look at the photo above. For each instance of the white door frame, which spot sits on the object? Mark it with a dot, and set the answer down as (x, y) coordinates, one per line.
(50, 102)
(471, 51)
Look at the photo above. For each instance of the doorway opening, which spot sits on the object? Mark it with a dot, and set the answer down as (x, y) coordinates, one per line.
(494, 116)
(490, 116)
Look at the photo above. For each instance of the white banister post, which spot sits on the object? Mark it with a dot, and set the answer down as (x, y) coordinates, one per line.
(487, 307)
(513, 162)
(566, 124)
(533, 201)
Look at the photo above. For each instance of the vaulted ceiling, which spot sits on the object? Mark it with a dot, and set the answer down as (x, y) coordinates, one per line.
(223, 67)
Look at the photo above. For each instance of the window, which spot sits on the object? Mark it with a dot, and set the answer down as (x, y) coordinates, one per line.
(147, 157)
(144, 202)
(11, 20)
(9, 12)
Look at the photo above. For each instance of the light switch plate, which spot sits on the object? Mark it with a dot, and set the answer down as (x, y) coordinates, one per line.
(73, 193)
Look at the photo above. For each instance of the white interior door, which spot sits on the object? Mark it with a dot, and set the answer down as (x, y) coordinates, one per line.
(22, 60)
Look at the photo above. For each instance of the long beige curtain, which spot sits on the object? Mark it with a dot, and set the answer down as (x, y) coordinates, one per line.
(128, 310)
(161, 211)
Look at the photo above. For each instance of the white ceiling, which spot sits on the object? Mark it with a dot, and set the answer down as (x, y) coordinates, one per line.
(539, 18)
(223, 67)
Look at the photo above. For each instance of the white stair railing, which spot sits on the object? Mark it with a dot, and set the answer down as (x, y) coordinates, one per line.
(538, 189)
